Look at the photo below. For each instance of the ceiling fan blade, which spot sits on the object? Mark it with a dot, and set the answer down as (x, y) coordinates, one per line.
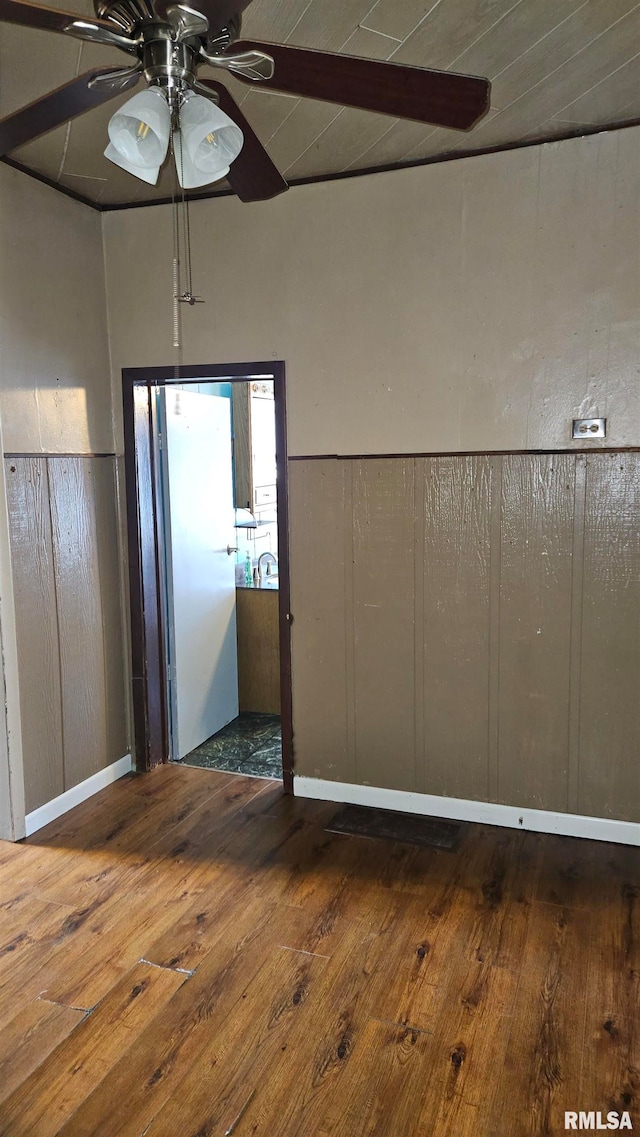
(441, 98)
(76, 97)
(50, 19)
(252, 175)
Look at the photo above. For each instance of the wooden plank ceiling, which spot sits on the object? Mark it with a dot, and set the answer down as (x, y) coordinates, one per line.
(556, 70)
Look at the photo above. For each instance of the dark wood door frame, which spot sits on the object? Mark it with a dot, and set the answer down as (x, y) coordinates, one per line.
(146, 550)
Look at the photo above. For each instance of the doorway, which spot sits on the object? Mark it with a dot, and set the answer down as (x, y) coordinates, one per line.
(253, 559)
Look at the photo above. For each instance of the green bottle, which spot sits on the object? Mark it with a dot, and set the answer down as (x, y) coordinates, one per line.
(248, 575)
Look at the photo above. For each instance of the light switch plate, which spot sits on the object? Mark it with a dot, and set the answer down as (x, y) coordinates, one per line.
(589, 428)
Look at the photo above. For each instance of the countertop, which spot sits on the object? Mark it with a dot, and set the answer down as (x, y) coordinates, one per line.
(269, 584)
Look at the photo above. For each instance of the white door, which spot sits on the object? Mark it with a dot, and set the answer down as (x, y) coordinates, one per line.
(199, 518)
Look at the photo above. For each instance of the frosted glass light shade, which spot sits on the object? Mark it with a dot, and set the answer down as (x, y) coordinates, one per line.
(188, 176)
(146, 174)
(211, 141)
(139, 132)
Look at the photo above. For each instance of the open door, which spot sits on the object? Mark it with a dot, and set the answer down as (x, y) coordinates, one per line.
(199, 530)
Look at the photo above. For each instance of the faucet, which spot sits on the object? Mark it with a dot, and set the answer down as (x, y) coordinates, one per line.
(269, 557)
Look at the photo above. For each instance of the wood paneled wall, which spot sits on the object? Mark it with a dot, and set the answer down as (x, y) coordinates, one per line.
(469, 626)
(64, 551)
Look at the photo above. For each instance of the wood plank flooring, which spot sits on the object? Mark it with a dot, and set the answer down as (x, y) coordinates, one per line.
(192, 949)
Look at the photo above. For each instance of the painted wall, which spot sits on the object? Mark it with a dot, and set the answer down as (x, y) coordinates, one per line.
(471, 305)
(63, 595)
(55, 394)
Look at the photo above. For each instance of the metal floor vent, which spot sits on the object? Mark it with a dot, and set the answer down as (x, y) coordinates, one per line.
(358, 821)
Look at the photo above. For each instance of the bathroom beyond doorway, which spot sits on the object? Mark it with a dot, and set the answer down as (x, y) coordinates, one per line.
(219, 498)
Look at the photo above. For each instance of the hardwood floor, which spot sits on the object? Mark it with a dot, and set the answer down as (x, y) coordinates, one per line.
(191, 952)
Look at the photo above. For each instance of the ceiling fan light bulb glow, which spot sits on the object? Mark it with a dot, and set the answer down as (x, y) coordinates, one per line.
(188, 176)
(145, 173)
(139, 131)
(211, 140)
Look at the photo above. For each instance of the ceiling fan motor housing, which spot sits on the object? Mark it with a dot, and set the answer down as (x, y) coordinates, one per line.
(126, 15)
(132, 16)
(167, 63)
(168, 53)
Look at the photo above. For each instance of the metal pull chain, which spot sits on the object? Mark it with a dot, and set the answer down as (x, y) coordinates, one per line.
(177, 318)
(177, 321)
(181, 246)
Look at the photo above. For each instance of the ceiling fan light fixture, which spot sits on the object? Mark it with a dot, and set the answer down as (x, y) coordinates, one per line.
(188, 176)
(139, 131)
(211, 140)
(145, 173)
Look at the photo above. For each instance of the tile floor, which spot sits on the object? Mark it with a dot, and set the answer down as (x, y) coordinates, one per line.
(250, 744)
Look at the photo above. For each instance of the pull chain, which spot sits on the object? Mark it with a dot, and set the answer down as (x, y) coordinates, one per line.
(177, 316)
(181, 244)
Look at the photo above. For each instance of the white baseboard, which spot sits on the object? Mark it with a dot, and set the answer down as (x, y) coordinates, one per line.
(66, 801)
(459, 809)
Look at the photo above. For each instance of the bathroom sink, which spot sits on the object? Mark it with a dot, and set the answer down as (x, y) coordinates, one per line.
(269, 582)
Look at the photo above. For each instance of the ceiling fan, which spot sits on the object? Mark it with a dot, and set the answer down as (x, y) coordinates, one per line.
(169, 40)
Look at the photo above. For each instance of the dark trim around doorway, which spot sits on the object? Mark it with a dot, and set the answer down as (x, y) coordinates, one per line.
(145, 536)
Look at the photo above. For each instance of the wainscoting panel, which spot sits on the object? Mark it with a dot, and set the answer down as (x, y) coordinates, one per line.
(469, 627)
(535, 574)
(383, 588)
(34, 589)
(609, 727)
(322, 632)
(87, 587)
(64, 547)
(453, 565)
